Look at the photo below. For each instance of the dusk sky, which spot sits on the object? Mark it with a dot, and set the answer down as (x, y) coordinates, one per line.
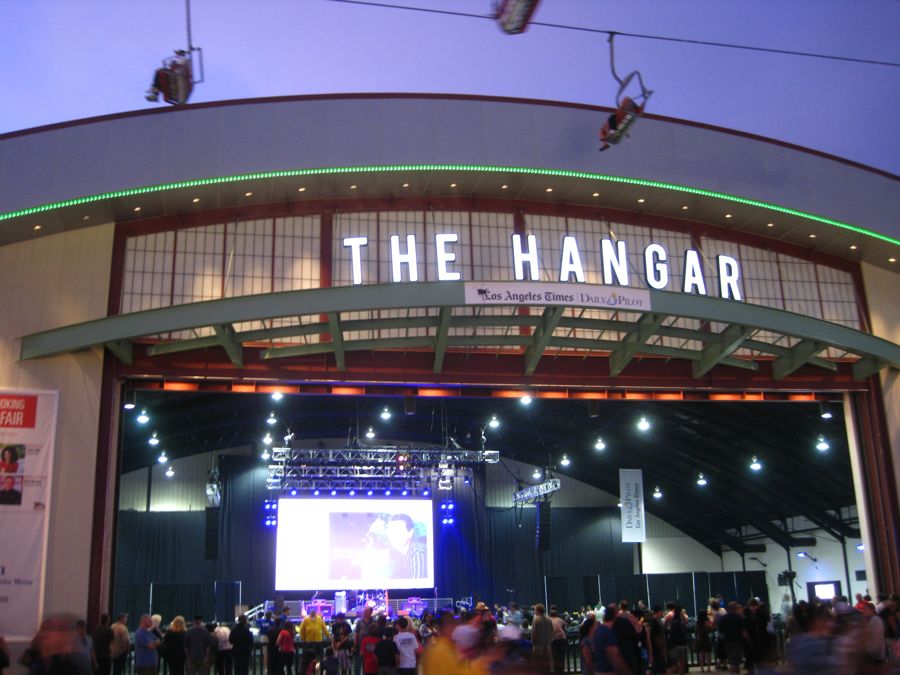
(69, 59)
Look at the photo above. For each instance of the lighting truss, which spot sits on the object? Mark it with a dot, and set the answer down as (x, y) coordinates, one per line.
(371, 468)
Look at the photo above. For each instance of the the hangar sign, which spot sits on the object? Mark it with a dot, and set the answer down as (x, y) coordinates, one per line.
(526, 260)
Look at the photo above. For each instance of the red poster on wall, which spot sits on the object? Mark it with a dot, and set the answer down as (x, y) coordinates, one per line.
(27, 434)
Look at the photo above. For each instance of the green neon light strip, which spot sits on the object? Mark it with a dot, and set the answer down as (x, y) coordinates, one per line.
(295, 173)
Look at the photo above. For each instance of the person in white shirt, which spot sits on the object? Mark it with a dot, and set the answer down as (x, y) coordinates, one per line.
(408, 645)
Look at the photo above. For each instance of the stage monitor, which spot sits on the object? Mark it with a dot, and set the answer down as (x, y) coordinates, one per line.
(337, 544)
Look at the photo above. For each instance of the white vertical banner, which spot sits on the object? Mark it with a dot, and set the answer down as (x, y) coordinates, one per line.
(27, 434)
(631, 493)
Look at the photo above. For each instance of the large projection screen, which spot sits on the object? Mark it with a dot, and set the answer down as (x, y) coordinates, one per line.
(336, 544)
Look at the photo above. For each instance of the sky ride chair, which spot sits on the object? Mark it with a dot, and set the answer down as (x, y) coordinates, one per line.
(175, 79)
(628, 108)
(514, 15)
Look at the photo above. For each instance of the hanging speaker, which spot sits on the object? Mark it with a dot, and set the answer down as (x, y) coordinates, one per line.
(542, 526)
(212, 534)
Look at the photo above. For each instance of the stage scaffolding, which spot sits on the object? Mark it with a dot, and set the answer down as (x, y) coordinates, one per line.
(372, 468)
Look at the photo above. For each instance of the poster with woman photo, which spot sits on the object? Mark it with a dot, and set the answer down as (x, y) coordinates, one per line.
(12, 458)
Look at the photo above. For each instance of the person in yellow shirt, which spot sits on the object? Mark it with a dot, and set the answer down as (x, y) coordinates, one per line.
(313, 628)
(442, 657)
(313, 633)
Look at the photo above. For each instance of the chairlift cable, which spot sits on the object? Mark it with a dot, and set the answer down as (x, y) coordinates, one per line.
(664, 38)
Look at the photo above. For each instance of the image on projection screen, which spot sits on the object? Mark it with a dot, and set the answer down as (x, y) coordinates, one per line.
(337, 544)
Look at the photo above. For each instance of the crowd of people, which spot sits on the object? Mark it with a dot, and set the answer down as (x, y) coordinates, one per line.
(618, 639)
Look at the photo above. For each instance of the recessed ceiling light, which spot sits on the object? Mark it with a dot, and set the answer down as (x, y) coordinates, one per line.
(196, 200)
(85, 218)
(248, 194)
(770, 224)
(596, 194)
(684, 208)
(728, 215)
(37, 228)
(406, 185)
(852, 247)
(504, 187)
(453, 185)
(301, 189)
(549, 189)
(353, 187)
(137, 209)
(641, 200)
(892, 260)
(812, 236)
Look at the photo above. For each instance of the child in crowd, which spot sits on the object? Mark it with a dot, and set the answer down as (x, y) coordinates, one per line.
(386, 653)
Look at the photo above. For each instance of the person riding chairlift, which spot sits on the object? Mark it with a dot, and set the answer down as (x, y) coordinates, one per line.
(174, 80)
(617, 124)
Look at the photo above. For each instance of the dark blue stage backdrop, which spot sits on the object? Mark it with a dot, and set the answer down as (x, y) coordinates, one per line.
(203, 562)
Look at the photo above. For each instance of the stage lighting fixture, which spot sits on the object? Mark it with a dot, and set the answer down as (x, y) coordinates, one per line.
(643, 424)
(153, 439)
(370, 433)
(333, 493)
(537, 474)
(143, 418)
(268, 506)
(445, 483)
(701, 481)
(271, 419)
(409, 405)
(444, 521)
(386, 413)
(449, 521)
(494, 422)
(825, 412)
(593, 408)
(293, 493)
(265, 454)
(860, 547)
(804, 554)
(619, 504)
(277, 396)
(426, 492)
(600, 445)
(170, 472)
(162, 459)
(450, 506)
(267, 439)
(405, 492)
(128, 402)
(274, 506)
(755, 464)
(352, 493)
(316, 493)
(822, 444)
(369, 493)
(443, 507)
(525, 400)
(467, 480)
(387, 493)
(657, 493)
(565, 461)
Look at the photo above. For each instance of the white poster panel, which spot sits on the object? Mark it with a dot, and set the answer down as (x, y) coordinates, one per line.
(527, 293)
(27, 433)
(631, 493)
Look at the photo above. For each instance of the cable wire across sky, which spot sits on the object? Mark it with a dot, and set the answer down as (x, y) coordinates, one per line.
(664, 38)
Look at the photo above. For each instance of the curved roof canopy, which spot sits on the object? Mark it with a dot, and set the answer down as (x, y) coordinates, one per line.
(631, 333)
